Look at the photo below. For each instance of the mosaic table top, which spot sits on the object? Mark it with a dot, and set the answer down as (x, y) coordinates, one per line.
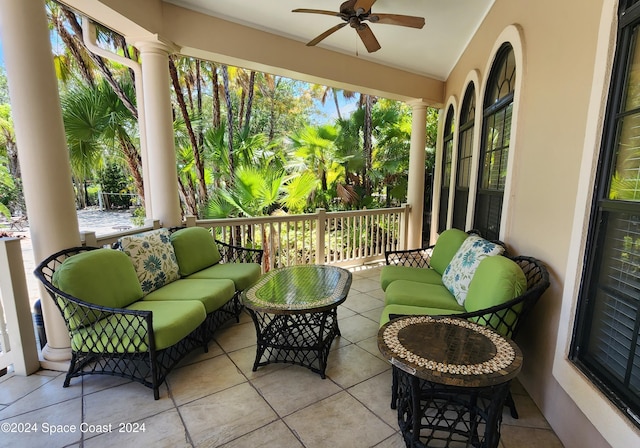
(449, 351)
(299, 289)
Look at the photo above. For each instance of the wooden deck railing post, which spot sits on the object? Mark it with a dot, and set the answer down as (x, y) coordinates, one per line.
(21, 350)
(321, 228)
(88, 239)
(404, 226)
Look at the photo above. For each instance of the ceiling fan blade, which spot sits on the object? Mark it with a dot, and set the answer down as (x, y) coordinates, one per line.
(368, 39)
(326, 34)
(317, 11)
(365, 5)
(397, 19)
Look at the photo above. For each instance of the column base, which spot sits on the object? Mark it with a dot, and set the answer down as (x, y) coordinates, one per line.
(55, 358)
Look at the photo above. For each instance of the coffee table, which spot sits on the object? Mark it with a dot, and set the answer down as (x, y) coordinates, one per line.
(294, 310)
(452, 378)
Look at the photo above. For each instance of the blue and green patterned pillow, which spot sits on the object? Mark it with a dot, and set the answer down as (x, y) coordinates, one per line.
(458, 274)
(153, 258)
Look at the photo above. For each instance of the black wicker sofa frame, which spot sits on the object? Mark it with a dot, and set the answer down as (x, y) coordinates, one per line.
(140, 361)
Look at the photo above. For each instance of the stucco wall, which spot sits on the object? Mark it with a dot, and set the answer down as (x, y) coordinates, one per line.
(558, 47)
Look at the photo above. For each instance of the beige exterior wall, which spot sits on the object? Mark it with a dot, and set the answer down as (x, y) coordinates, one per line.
(551, 135)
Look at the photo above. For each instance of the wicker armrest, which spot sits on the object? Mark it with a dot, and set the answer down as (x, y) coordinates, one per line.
(418, 258)
(238, 254)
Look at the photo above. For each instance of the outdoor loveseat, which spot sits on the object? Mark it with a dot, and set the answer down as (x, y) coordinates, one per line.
(137, 311)
(466, 276)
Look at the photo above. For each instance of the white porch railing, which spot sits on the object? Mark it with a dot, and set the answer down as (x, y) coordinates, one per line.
(347, 238)
(17, 336)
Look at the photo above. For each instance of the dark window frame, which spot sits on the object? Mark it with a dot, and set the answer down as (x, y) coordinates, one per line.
(465, 157)
(447, 159)
(599, 289)
(489, 201)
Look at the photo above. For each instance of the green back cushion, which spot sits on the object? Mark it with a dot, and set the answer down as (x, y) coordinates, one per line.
(195, 249)
(497, 280)
(446, 247)
(461, 270)
(153, 258)
(103, 277)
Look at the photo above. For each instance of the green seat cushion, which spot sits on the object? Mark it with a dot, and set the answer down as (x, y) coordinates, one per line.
(103, 277)
(392, 273)
(212, 293)
(172, 322)
(406, 292)
(195, 249)
(446, 247)
(403, 310)
(243, 275)
(153, 258)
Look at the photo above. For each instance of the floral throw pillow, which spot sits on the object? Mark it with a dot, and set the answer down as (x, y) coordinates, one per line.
(153, 258)
(458, 274)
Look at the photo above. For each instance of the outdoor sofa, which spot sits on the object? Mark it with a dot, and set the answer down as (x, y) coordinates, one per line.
(466, 276)
(137, 310)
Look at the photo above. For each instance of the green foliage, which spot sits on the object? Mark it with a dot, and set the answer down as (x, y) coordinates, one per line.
(115, 183)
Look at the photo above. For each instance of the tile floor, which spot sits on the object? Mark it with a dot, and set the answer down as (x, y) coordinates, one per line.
(215, 399)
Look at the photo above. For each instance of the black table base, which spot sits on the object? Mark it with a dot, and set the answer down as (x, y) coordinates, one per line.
(302, 338)
(431, 414)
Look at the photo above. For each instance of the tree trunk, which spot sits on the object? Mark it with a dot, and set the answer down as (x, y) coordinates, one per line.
(197, 158)
(134, 162)
(102, 67)
(366, 143)
(227, 98)
(216, 96)
(252, 82)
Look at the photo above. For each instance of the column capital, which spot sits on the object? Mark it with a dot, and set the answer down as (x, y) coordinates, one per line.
(418, 103)
(153, 44)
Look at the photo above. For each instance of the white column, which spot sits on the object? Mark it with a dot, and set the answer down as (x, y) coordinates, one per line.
(42, 149)
(415, 190)
(161, 152)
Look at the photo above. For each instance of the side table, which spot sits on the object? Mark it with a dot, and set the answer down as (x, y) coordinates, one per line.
(452, 376)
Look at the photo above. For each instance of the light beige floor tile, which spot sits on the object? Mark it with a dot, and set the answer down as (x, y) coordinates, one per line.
(226, 416)
(52, 373)
(519, 437)
(199, 354)
(377, 294)
(351, 365)
(293, 388)
(244, 359)
(375, 394)
(362, 302)
(163, 430)
(395, 441)
(357, 328)
(371, 345)
(42, 397)
(236, 336)
(96, 383)
(16, 386)
(57, 426)
(528, 413)
(130, 402)
(274, 435)
(204, 378)
(338, 421)
(364, 285)
(343, 311)
(374, 315)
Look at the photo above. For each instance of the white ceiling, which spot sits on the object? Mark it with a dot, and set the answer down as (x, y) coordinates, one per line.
(432, 51)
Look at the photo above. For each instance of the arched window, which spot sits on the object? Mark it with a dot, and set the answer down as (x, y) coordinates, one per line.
(447, 152)
(496, 137)
(465, 152)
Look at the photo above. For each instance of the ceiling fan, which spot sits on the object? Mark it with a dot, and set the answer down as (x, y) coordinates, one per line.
(355, 13)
